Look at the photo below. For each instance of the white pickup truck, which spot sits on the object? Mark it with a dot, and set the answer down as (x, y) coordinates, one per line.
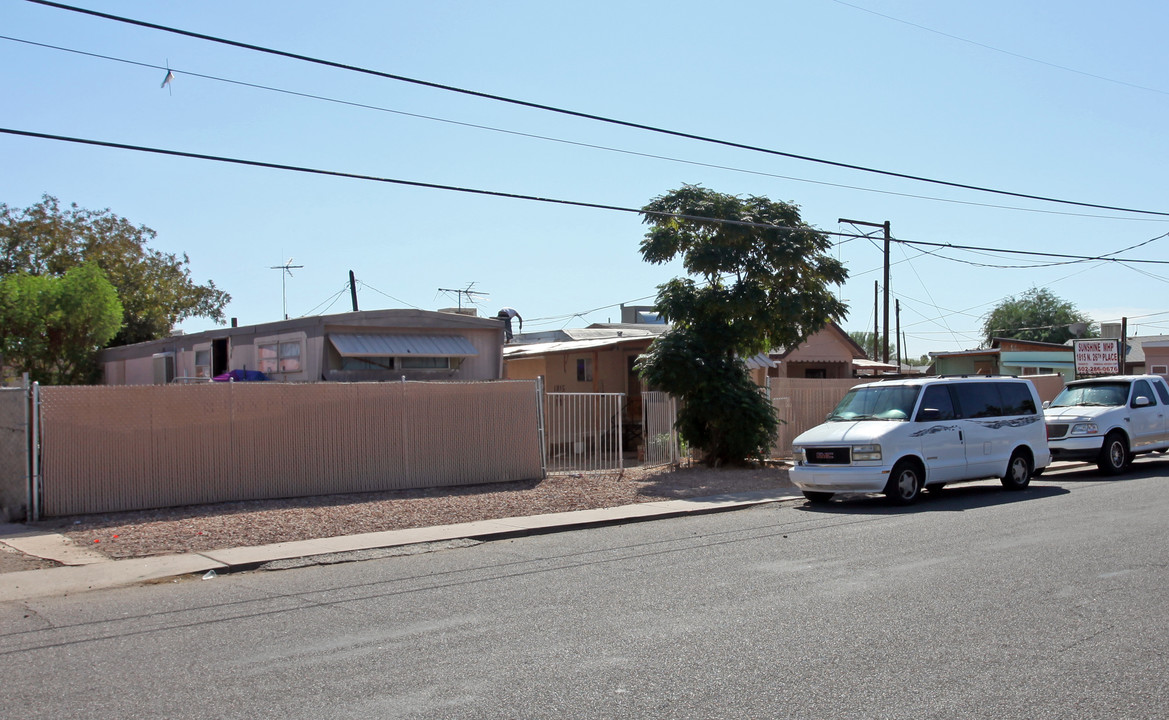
(1109, 420)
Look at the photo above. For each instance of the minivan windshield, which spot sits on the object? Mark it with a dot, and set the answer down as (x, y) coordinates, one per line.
(1106, 394)
(889, 402)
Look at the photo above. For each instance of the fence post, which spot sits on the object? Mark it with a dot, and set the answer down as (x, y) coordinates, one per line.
(540, 400)
(34, 451)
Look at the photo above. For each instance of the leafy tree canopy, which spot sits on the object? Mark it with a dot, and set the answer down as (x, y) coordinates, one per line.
(155, 288)
(52, 327)
(766, 281)
(1037, 315)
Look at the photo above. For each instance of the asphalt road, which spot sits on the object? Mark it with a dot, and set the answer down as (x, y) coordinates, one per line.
(976, 603)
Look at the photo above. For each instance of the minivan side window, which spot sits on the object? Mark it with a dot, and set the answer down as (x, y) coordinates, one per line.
(1141, 387)
(979, 399)
(937, 398)
(1017, 399)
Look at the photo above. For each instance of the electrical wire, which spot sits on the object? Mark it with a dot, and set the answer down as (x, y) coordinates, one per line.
(574, 143)
(585, 115)
(534, 198)
(379, 292)
(992, 48)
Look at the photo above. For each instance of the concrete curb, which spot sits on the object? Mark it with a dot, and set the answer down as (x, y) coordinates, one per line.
(85, 573)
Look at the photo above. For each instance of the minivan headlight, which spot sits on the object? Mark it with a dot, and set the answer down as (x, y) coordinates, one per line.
(866, 452)
(1085, 429)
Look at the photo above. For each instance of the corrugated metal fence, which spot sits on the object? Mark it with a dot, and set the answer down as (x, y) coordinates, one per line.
(109, 449)
(801, 404)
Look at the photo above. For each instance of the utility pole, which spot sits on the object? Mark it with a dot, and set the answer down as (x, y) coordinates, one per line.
(897, 336)
(876, 330)
(885, 307)
(353, 290)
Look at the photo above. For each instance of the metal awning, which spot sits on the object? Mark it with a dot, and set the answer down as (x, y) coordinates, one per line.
(384, 345)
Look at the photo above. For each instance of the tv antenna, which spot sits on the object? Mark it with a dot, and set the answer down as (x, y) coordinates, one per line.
(287, 267)
(471, 294)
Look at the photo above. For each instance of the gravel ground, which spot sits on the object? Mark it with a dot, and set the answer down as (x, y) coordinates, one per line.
(238, 524)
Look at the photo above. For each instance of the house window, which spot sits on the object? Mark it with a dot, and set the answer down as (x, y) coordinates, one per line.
(203, 363)
(281, 357)
(367, 363)
(429, 363)
(815, 373)
(399, 363)
(584, 370)
(1160, 370)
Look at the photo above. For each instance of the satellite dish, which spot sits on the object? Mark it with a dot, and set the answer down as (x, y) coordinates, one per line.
(1078, 329)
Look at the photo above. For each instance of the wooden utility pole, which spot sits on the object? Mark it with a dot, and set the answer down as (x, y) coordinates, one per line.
(885, 306)
(876, 330)
(353, 290)
(897, 336)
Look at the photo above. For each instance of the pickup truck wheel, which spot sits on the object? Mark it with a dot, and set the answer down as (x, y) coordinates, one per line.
(1018, 474)
(1114, 455)
(817, 498)
(904, 483)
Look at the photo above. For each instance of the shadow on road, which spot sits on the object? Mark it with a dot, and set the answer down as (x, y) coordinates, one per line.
(953, 498)
(1145, 466)
(988, 493)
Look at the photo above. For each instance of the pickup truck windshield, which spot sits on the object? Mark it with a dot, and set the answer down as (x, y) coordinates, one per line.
(1104, 394)
(894, 402)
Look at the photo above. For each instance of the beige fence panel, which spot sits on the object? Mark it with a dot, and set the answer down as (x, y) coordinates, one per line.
(583, 431)
(802, 404)
(15, 496)
(659, 412)
(108, 449)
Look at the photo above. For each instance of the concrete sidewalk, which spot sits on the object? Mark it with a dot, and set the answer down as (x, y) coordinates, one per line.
(84, 570)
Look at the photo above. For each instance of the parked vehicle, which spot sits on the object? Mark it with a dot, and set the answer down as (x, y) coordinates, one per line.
(1109, 420)
(900, 436)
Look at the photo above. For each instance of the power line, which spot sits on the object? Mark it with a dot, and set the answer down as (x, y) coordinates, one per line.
(992, 48)
(583, 115)
(574, 143)
(534, 198)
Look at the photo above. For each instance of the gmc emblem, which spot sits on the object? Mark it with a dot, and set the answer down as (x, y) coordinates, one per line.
(824, 455)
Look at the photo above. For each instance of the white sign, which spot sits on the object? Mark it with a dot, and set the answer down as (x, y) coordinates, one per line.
(1100, 356)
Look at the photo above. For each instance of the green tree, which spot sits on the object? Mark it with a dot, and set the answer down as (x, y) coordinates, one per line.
(1037, 315)
(865, 340)
(155, 288)
(766, 281)
(52, 327)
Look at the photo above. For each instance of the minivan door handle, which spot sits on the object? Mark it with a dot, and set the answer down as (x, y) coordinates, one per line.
(960, 438)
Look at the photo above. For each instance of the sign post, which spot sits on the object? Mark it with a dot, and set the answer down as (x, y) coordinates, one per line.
(1097, 356)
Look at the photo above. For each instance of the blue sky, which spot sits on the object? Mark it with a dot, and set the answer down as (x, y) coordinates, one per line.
(1059, 99)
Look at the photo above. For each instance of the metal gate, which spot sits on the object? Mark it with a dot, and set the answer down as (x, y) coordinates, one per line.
(659, 412)
(583, 431)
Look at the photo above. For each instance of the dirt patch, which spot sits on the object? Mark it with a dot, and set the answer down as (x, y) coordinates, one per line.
(200, 528)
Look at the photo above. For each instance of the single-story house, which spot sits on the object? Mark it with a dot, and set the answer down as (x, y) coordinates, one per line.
(1007, 356)
(368, 345)
(1147, 354)
(830, 353)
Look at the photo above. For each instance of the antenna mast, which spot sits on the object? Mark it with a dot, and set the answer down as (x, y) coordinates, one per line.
(287, 267)
(468, 292)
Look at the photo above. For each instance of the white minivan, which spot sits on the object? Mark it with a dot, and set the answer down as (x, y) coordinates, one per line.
(899, 436)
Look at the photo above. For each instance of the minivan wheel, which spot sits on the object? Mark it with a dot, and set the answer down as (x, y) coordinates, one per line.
(817, 498)
(904, 484)
(1018, 472)
(1114, 454)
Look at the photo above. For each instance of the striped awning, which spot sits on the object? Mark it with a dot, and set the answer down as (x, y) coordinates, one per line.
(384, 345)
